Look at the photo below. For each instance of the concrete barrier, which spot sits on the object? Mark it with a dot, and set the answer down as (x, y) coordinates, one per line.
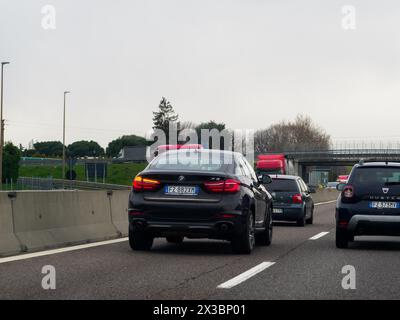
(47, 219)
(9, 244)
(323, 195)
(119, 210)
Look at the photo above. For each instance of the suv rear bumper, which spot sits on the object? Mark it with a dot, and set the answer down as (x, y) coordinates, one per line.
(218, 229)
(374, 225)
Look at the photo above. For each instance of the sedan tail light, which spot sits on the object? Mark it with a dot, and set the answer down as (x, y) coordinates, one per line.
(144, 184)
(297, 198)
(226, 186)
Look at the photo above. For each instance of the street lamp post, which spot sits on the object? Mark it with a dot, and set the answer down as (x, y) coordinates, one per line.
(1, 126)
(63, 161)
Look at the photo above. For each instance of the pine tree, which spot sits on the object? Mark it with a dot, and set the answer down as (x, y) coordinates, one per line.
(163, 117)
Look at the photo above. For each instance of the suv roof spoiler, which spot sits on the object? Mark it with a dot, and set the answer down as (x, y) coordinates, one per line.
(362, 162)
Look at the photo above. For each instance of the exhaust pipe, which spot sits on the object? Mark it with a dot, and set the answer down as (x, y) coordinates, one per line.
(224, 227)
(138, 225)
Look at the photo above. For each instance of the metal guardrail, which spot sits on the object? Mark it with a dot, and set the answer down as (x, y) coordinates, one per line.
(32, 183)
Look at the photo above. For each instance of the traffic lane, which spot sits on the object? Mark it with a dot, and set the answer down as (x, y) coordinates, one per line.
(287, 237)
(314, 271)
(190, 270)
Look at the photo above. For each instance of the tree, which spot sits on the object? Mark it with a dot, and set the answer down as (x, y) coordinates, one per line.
(115, 146)
(49, 148)
(85, 149)
(11, 158)
(210, 125)
(299, 135)
(164, 116)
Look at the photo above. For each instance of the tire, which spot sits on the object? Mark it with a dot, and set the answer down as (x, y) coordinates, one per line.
(264, 238)
(244, 242)
(139, 240)
(302, 221)
(342, 238)
(311, 219)
(175, 239)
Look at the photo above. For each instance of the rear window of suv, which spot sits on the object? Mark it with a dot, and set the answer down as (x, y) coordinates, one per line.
(282, 185)
(367, 176)
(191, 160)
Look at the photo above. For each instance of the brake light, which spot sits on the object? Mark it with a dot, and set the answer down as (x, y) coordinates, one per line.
(135, 212)
(297, 198)
(343, 223)
(348, 192)
(231, 186)
(145, 184)
(226, 216)
(226, 186)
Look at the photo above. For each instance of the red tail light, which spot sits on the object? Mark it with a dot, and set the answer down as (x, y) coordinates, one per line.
(145, 184)
(135, 212)
(343, 223)
(226, 186)
(348, 192)
(297, 198)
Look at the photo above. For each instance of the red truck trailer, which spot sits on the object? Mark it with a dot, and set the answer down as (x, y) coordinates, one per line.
(275, 163)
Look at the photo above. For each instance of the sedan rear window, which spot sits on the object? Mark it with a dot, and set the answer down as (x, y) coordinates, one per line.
(193, 161)
(282, 185)
(368, 176)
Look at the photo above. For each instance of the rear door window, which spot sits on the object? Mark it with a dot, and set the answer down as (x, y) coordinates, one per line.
(250, 169)
(303, 185)
(244, 168)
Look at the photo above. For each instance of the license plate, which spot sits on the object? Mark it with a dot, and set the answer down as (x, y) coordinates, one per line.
(384, 205)
(181, 190)
(277, 210)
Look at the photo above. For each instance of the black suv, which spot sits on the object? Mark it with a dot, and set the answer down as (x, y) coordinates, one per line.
(200, 194)
(369, 204)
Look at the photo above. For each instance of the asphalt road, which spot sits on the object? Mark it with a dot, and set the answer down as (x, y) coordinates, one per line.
(302, 269)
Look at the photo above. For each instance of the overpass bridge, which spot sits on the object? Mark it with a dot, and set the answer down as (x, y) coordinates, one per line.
(342, 157)
(303, 160)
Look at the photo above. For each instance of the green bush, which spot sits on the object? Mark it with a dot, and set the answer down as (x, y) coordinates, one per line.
(11, 158)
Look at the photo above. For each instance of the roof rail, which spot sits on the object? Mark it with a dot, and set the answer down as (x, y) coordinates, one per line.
(361, 162)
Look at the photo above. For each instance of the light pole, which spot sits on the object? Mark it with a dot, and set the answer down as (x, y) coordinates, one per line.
(63, 161)
(1, 126)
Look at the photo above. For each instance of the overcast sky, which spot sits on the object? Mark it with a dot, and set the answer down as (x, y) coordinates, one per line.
(247, 63)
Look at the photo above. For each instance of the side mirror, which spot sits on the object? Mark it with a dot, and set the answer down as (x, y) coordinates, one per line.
(340, 186)
(312, 190)
(264, 179)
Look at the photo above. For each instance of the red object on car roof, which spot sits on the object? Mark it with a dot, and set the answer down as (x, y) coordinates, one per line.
(190, 146)
(166, 147)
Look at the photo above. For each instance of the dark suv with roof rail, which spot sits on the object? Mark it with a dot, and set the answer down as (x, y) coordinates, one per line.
(200, 194)
(369, 203)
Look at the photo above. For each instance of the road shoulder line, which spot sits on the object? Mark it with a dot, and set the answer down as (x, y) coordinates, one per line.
(60, 250)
